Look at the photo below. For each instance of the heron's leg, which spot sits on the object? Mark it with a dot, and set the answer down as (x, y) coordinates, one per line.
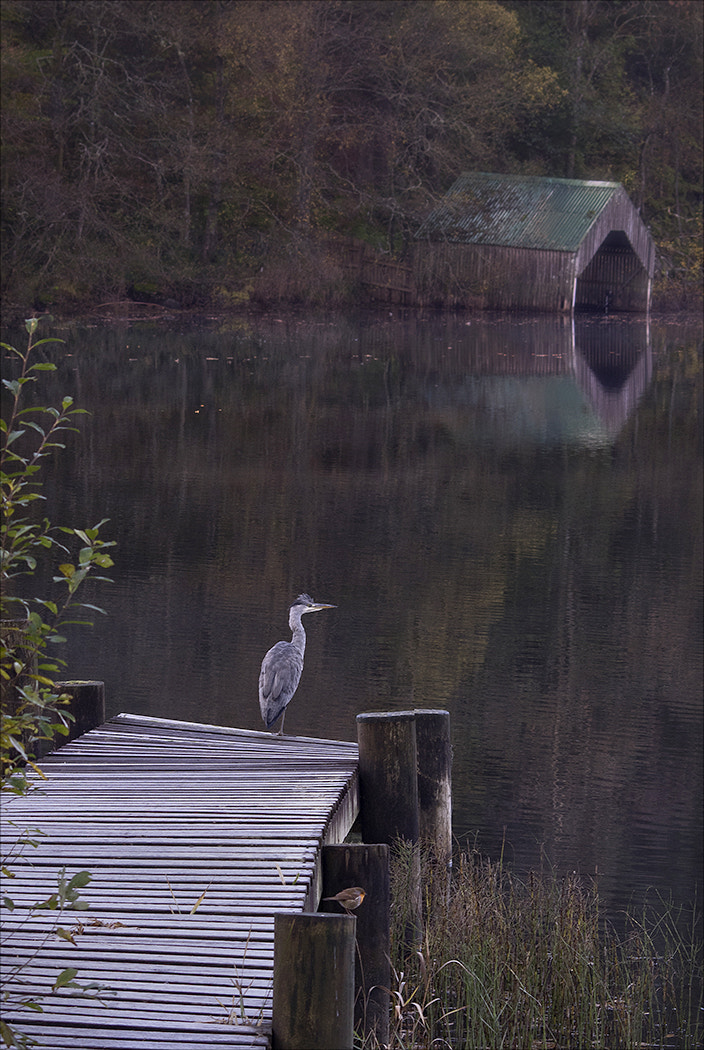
(281, 727)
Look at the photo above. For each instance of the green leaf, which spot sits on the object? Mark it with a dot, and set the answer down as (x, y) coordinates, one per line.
(64, 934)
(80, 879)
(64, 978)
(51, 902)
(18, 747)
(49, 338)
(35, 426)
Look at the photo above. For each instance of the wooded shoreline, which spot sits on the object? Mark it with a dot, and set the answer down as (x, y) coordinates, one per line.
(227, 153)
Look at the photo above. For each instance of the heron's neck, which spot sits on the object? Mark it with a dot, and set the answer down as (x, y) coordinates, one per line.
(299, 635)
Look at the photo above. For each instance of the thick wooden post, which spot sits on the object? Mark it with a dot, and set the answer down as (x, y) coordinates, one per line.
(87, 707)
(313, 1004)
(388, 782)
(435, 784)
(352, 864)
(388, 796)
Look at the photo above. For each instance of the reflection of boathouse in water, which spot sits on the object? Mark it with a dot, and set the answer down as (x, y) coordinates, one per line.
(512, 242)
(549, 382)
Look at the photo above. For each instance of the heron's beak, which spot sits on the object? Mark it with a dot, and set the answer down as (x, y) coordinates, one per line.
(318, 606)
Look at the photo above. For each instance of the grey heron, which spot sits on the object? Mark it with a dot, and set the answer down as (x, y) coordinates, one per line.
(283, 664)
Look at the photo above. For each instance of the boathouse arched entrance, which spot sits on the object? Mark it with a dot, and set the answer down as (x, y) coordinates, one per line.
(614, 280)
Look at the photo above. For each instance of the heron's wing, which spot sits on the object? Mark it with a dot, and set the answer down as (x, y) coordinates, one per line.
(278, 680)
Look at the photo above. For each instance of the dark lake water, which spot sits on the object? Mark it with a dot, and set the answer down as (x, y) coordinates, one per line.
(507, 513)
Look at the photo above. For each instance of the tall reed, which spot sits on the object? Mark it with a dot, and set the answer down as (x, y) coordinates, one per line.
(532, 965)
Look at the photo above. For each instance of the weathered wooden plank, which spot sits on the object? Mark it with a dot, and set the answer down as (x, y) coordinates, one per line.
(167, 1022)
(131, 802)
(104, 1039)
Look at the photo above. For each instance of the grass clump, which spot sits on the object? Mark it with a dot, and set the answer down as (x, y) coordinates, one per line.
(532, 964)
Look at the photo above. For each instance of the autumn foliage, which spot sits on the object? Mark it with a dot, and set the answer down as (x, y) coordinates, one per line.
(206, 152)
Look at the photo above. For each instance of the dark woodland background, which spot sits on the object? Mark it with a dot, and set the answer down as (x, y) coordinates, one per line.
(214, 154)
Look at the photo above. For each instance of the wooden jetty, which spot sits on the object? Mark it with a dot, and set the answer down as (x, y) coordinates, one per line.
(195, 837)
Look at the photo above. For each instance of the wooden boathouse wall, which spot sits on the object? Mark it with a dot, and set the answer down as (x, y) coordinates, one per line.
(493, 277)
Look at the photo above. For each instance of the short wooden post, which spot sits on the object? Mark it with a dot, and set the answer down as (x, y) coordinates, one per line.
(388, 795)
(87, 707)
(365, 865)
(435, 784)
(313, 1004)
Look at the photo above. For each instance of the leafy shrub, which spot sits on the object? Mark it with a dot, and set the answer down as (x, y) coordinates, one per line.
(32, 709)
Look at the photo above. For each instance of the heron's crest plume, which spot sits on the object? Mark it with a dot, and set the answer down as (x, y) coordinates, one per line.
(303, 599)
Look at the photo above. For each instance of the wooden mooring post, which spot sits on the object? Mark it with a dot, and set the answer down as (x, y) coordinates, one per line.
(405, 765)
(405, 772)
(365, 865)
(435, 786)
(314, 966)
(87, 706)
(405, 785)
(388, 777)
(87, 698)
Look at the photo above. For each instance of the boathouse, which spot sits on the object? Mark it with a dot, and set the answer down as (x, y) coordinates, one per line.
(518, 242)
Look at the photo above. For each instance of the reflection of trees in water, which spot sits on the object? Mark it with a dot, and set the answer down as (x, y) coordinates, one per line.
(546, 595)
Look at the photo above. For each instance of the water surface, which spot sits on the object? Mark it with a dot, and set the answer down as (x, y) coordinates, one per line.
(507, 513)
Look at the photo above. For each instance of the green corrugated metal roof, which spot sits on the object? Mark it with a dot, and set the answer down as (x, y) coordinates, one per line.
(520, 211)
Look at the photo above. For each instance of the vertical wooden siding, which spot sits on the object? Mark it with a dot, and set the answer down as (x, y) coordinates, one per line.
(493, 277)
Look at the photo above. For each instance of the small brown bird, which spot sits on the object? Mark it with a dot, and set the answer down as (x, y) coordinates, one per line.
(349, 899)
